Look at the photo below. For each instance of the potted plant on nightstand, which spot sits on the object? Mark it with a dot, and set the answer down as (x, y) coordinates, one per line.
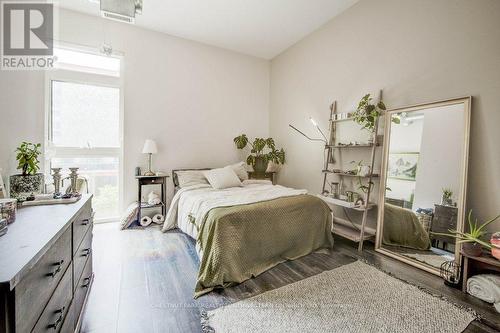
(262, 152)
(29, 182)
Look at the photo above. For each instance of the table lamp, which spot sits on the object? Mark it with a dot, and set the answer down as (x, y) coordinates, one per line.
(149, 148)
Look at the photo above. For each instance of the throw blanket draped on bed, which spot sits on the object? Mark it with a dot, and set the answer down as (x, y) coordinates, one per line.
(238, 240)
(402, 228)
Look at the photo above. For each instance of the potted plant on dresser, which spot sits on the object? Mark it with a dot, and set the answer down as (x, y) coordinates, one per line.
(262, 152)
(29, 182)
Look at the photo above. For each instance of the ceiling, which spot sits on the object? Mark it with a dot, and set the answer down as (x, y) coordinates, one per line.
(262, 28)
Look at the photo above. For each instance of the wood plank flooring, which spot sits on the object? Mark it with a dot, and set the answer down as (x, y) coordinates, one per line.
(144, 281)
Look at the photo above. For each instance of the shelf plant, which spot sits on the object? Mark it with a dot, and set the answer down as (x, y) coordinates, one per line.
(367, 112)
(262, 152)
(472, 240)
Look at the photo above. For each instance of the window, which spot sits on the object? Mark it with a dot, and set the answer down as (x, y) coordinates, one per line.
(85, 115)
(87, 62)
(84, 128)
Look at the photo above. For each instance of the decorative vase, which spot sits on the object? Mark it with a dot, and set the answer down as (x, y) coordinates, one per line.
(473, 249)
(22, 187)
(260, 165)
(495, 241)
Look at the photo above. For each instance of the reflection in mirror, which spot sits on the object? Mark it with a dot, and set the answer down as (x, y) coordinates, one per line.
(425, 180)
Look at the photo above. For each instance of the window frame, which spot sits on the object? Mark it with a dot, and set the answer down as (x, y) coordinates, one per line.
(87, 78)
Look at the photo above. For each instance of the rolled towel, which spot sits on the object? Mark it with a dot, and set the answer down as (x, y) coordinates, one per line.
(145, 221)
(153, 198)
(158, 219)
(486, 287)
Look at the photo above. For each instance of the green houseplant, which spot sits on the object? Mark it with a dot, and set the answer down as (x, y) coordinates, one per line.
(29, 182)
(471, 240)
(262, 152)
(446, 197)
(367, 112)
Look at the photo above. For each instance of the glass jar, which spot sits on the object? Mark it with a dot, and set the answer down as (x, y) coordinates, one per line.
(8, 209)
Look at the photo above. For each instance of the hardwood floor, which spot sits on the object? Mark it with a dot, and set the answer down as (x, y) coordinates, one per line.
(144, 281)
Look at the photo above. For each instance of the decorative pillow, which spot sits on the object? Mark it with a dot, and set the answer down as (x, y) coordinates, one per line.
(129, 216)
(240, 170)
(190, 178)
(222, 178)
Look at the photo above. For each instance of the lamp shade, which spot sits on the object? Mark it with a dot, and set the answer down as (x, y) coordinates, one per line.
(149, 147)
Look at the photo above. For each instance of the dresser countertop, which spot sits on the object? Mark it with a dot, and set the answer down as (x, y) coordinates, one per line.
(28, 238)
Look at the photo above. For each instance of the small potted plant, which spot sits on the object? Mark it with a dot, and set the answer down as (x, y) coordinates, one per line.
(471, 240)
(29, 182)
(262, 152)
(446, 197)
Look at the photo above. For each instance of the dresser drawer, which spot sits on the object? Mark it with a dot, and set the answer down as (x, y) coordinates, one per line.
(83, 287)
(81, 256)
(80, 226)
(53, 315)
(69, 321)
(35, 289)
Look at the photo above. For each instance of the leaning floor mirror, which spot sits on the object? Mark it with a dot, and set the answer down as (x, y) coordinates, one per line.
(424, 169)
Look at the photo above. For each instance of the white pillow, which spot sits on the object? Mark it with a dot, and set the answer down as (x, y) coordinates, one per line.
(190, 177)
(240, 170)
(222, 178)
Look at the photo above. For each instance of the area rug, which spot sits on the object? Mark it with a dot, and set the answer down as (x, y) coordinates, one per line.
(353, 298)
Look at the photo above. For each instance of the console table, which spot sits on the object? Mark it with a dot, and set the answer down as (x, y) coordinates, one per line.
(475, 265)
(46, 268)
(263, 175)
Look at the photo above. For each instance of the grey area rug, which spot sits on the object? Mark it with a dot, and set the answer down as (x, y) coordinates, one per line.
(353, 298)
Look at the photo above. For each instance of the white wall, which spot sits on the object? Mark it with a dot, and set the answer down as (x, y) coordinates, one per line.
(440, 161)
(417, 51)
(193, 99)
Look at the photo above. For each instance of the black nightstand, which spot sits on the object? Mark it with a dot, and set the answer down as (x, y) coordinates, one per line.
(262, 175)
(152, 180)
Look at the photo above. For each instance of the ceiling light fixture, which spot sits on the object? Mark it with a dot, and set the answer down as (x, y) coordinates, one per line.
(120, 10)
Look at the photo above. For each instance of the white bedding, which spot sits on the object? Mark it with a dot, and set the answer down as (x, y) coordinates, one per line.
(196, 201)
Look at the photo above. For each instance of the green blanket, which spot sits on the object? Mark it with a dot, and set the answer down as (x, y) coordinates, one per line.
(402, 228)
(243, 241)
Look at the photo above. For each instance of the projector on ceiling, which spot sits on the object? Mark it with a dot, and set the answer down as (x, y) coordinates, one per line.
(121, 10)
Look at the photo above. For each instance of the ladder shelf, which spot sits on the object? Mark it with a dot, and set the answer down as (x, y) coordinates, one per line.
(350, 231)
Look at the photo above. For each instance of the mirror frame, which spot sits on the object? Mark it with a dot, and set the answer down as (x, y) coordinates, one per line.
(467, 101)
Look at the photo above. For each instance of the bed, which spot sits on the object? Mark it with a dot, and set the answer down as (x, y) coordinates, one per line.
(402, 228)
(241, 232)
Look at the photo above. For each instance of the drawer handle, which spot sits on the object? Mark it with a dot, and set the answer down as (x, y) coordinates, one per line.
(87, 252)
(86, 283)
(59, 319)
(58, 268)
(85, 222)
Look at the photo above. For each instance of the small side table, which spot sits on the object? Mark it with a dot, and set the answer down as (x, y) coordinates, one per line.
(263, 175)
(152, 180)
(474, 265)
